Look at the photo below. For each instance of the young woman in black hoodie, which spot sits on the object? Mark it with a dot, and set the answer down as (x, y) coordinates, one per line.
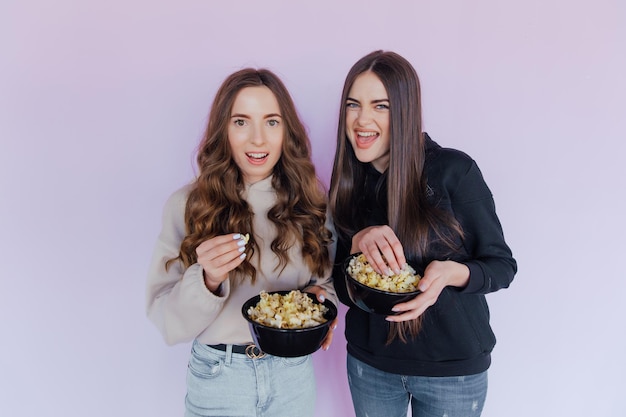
(398, 197)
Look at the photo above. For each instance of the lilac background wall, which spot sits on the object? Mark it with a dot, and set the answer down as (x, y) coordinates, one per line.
(103, 102)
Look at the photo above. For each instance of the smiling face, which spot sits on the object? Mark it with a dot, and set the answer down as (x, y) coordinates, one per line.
(367, 120)
(255, 132)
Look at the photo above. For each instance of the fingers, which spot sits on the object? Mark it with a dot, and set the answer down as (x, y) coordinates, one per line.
(432, 284)
(319, 292)
(321, 295)
(329, 336)
(407, 312)
(374, 253)
(220, 244)
(381, 247)
(220, 255)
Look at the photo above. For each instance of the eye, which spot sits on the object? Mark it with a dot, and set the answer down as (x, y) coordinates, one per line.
(352, 105)
(273, 122)
(239, 122)
(382, 106)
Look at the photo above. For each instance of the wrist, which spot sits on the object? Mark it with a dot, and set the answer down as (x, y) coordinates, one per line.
(461, 275)
(215, 288)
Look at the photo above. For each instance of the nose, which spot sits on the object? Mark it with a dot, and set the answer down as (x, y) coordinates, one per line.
(257, 135)
(364, 117)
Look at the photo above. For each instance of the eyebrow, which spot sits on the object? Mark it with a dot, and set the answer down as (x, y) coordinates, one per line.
(380, 100)
(245, 116)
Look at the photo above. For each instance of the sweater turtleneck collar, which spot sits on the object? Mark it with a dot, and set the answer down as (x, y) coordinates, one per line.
(262, 185)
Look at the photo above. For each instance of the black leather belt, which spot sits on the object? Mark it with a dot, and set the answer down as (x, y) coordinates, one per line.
(251, 350)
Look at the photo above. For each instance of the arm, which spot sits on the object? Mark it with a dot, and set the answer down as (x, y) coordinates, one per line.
(343, 251)
(324, 285)
(490, 261)
(178, 301)
(485, 264)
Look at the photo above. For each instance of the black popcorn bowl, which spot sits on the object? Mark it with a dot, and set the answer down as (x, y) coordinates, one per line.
(289, 342)
(371, 299)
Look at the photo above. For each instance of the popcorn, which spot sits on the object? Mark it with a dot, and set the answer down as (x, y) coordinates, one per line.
(362, 271)
(294, 310)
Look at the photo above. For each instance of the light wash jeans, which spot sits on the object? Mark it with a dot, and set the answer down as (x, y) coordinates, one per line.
(377, 393)
(231, 384)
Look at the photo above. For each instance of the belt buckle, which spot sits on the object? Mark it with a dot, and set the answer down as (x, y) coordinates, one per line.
(253, 352)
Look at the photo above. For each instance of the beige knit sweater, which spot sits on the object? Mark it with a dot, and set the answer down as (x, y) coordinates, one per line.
(183, 308)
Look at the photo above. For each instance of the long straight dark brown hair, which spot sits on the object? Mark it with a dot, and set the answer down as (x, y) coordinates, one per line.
(215, 205)
(412, 217)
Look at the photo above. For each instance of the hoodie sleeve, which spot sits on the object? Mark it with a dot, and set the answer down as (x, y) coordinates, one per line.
(489, 258)
(177, 300)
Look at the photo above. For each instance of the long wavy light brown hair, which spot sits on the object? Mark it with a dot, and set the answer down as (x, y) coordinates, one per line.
(412, 217)
(215, 206)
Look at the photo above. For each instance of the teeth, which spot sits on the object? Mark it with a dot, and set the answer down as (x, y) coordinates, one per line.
(257, 155)
(367, 134)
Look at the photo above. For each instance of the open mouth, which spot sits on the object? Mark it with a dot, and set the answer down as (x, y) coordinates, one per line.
(366, 139)
(257, 157)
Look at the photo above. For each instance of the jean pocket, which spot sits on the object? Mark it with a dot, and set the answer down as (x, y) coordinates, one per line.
(298, 360)
(204, 367)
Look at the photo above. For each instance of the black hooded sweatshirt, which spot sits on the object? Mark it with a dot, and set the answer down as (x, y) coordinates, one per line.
(455, 338)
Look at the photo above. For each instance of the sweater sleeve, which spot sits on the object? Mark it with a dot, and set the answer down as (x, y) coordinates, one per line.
(339, 280)
(490, 260)
(326, 281)
(177, 300)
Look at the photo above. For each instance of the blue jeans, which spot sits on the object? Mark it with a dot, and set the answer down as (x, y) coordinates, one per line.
(231, 384)
(377, 393)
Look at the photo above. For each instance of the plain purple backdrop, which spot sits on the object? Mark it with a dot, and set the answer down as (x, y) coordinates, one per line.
(102, 104)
